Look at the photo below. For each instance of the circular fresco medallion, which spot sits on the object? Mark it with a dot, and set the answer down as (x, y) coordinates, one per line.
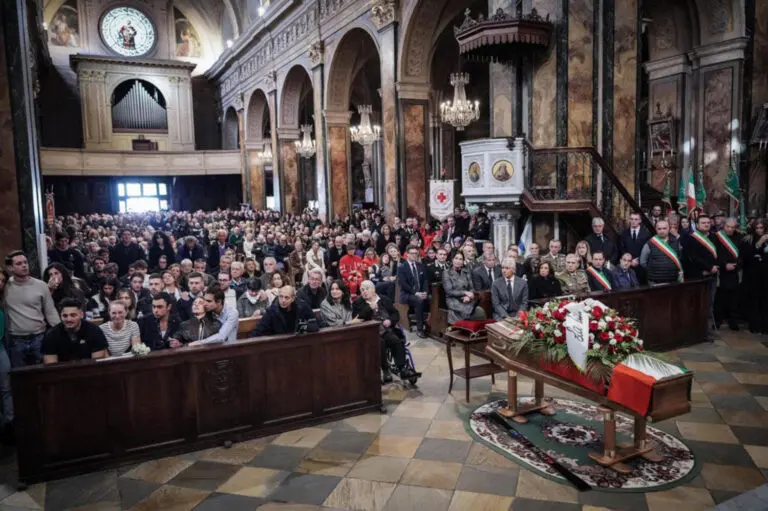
(474, 172)
(127, 31)
(502, 171)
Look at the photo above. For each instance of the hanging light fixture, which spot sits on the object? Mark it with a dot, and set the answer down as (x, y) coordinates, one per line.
(461, 112)
(306, 146)
(364, 133)
(265, 155)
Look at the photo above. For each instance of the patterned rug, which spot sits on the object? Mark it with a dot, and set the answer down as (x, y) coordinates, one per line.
(575, 431)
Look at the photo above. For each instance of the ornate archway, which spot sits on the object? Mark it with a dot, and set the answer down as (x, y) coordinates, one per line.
(296, 108)
(257, 137)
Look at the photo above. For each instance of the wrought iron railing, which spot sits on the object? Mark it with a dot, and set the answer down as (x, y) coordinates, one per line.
(581, 173)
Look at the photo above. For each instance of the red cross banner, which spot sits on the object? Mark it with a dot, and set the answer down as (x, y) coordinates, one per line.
(441, 198)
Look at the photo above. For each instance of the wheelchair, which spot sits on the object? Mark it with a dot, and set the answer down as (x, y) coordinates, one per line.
(408, 362)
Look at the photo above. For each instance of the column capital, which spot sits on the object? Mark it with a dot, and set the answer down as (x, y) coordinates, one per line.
(407, 90)
(337, 118)
(316, 53)
(285, 134)
(383, 13)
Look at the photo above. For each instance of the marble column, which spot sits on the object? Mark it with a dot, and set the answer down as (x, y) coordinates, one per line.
(504, 223)
(245, 175)
(414, 144)
(502, 85)
(289, 170)
(337, 124)
(625, 92)
(21, 191)
(277, 184)
(256, 175)
(321, 173)
(757, 182)
(388, 60)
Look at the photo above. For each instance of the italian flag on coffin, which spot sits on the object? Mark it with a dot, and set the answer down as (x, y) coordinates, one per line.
(632, 380)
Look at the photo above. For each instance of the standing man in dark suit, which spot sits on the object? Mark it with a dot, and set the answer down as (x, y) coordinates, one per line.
(125, 253)
(599, 242)
(700, 257)
(509, 294)
(484, 275)
(632, 240)
(217, 249)
(729, 261)
(413, 287)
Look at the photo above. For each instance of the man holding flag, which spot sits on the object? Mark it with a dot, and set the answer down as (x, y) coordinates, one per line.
(730, 263)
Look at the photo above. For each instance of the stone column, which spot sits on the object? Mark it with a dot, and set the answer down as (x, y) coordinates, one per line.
(289, 169)
(504, 223)
(384, 15)
(21, 191)
(256, 173)
(277, 184)
(337, 124)
(318, 91)
(502, 85)
(245, 176)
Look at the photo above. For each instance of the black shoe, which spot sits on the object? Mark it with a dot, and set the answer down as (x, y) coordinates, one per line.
(387, 377)
(422, 334)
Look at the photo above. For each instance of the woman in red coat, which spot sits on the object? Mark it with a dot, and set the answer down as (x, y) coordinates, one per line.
(352, 269)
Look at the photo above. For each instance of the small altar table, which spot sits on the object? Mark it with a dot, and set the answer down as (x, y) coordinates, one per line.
(468, 341)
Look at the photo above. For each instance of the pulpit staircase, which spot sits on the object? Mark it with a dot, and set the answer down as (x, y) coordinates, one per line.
(578, 182)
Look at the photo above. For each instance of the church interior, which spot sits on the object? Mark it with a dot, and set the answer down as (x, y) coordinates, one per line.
(543, 114)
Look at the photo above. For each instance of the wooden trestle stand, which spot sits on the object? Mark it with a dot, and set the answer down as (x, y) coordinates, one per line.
(669, 399)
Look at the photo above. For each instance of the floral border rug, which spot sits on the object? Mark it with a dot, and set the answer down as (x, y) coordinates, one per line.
(575, 431)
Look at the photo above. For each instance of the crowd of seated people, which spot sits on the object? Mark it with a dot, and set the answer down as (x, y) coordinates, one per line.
(175, 278)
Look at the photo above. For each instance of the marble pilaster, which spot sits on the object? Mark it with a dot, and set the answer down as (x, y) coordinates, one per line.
(388, 59)
(580, 72)
(758, 173)
(414, 132)
(502, 85)
(544, 78)
(289, 167)
(625, 92)
(10, 227)
(245, 175)
(321, 173)
(277, 184)
(338, 147)
(717, 109)
(256, 173)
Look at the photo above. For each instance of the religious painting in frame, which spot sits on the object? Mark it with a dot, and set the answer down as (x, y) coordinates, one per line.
(473, 172)
(661, 133)
(64, 29)
(187, 39)
(502, 171)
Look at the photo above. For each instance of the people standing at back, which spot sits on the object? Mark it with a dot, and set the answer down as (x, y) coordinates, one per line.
(661, 256)
(29, 309)
(599, 242)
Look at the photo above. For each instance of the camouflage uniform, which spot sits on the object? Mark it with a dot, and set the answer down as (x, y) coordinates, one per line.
(557, 262)
(575, 283)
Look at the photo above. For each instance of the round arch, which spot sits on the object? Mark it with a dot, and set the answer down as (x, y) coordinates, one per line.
(230, 132)
(256, 115)
(297, 82)
(355, 48)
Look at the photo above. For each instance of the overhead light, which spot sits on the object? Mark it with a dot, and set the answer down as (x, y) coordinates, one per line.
(461, 112)
(229, 43)
(45, 26)
(261, 11)
(306, 146)
(364, 133)
(266, 154)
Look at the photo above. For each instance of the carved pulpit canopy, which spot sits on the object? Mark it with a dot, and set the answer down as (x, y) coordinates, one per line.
(493, 39)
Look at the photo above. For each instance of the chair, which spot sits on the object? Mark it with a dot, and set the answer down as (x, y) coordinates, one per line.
(403, 309)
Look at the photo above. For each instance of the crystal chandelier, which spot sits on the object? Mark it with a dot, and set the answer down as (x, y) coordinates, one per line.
(306, 146)
(461, 112)
(364, 133)
(265, 155)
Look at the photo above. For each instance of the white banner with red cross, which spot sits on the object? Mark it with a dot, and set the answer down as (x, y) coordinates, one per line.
(441, 198)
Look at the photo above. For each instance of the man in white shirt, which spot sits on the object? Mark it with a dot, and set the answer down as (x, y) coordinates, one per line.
(30, 310)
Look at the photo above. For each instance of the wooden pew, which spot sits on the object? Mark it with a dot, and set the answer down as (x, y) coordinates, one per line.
(88, 415)
(402, 309)
(245, 326)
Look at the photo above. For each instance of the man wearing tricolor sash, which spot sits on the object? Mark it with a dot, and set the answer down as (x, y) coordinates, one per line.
(729, 261)
(599, 279)
(700, 257)
(661, 256)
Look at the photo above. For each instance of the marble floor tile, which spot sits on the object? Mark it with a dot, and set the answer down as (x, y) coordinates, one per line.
(703, 366)
(490, 480)
(133, 491)
(87, 489)
(614, 501)
(305, 489)
(204, 475)
(724, 389)
(415, 498)
(746, 418)
(239, 454)
(229, 502)
(403, 426)
(483, 456)
(368, 423)
(724, 454)
(681, 498)
(533, 486)
(253, 482)
(158, 471)
(443, 450)
(398, 446)
(347, 441)
(750, 436)
(448, 430)
(279, 457)
(763, 400)
(360, 494)
(720, 496)
(757, 390)
(714, 376)
(306, 438)
(759, 455)
(742, 403)
(171, 497)
(523, 504)
(752, 378)
(731, 478)
(465, 500)
(325, 462)
(417, 410)
(720, 433)
(379, 468)
(32, 498)
(434, 474)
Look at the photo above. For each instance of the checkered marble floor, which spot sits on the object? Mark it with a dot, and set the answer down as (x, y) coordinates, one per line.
(418, 456)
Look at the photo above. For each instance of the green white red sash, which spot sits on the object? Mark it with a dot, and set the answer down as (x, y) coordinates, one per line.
(728, 244)
(706, 243)
(669, 252)
(598, 275)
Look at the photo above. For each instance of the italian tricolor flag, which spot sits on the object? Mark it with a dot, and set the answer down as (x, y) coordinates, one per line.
(690, 192)
(632, 381)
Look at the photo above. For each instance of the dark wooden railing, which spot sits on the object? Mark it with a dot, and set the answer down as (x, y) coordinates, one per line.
(572, 178)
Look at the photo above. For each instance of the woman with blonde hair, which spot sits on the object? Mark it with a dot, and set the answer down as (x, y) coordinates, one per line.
(584, 253)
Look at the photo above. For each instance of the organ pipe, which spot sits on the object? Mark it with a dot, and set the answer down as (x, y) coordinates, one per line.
(139, 110)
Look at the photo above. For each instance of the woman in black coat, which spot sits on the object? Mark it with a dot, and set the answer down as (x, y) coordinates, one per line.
(370, 306)
(161, 245)
(544, 285)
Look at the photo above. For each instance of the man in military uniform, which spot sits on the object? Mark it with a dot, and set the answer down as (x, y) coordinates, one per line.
(574, 279)
(555, 258)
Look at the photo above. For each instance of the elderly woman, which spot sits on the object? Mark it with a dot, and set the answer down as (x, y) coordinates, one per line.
(460, 292)
(297, 263)
(370, 306)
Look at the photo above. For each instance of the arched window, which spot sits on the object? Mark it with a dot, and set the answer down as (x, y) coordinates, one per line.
(137, 105)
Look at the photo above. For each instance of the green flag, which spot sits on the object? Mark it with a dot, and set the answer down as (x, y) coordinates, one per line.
(701, 193)
(742, 216)
(667, 199)
(681, 195)
(732, 180)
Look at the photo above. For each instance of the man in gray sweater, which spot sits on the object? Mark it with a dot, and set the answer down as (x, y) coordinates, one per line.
(30, 311)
